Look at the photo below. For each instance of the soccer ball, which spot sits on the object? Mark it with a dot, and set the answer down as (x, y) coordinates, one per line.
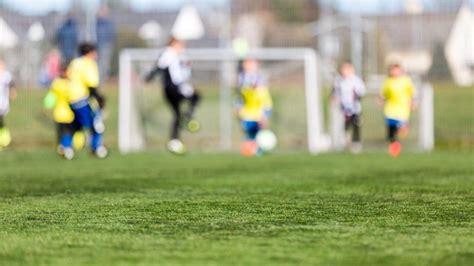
(79, 140)
(193, 126)
(101, 152)
(176, 146)
(266, 140)
(68, 154)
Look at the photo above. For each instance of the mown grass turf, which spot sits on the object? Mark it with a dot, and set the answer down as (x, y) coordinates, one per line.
(223, 209)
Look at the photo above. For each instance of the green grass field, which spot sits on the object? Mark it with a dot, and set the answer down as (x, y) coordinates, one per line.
(224, 209)
(288, 208)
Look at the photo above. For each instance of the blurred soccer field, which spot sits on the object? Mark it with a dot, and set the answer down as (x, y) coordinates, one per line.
(454, 128)
(224, 209)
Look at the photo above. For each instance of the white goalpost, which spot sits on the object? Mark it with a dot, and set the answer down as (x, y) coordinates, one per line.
(131, 135)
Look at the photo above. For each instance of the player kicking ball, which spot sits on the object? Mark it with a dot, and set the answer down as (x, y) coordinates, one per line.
(398, 97)
(7, 92)
(83, 74)
(348, 91)
(254, 109)
(175, 73)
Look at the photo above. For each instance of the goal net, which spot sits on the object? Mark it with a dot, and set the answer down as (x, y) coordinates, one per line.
(303, 117)
(144, 117)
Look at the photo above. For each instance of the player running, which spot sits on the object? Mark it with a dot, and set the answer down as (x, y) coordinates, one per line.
(83, 73)
(176, 75)
(348, 91)
(398, 95)
(254, 106)
(63, 116)
(7, 92)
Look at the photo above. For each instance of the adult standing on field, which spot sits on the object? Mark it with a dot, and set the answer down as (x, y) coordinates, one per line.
(106, 36)
(67, 38)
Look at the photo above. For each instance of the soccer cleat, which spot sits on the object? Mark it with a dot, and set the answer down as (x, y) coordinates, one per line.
(60, 150)
(175, 146)
(193, 126)
(68, 153)
(5, 137)
(248, 148)
(394, 149)
(101, 152)
(347, 139)
(356, 148)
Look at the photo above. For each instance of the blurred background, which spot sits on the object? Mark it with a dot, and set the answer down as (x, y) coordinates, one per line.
(433, 39)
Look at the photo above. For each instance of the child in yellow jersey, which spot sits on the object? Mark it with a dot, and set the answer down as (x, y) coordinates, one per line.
(255, 105)
(83, 73)
(398, 95)
(58, 100)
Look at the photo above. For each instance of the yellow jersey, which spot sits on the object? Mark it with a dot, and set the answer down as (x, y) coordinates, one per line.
(84, 72)
(398, 94)
(62, 113)
(255, 102)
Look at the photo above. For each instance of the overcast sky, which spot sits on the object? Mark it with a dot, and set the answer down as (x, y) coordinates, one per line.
(363, 6)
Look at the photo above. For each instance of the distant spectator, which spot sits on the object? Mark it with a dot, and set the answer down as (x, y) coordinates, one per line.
(105, 30)
(50, 69)
(67, 39)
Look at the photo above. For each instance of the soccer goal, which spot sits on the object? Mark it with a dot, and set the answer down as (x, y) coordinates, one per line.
(297, 118)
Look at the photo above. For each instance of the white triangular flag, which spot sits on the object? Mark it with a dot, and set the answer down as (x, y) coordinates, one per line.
(8, 38)
(188, 25)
